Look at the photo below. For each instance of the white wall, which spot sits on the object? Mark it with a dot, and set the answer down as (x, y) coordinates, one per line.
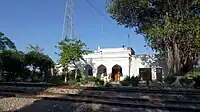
(147, 61)
(109, 57)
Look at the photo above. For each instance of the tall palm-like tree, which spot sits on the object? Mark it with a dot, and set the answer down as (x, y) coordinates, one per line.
(6, 43)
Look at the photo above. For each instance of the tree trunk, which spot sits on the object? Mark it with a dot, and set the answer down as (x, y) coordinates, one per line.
(170, 61)
(176, 58)
(65, 70)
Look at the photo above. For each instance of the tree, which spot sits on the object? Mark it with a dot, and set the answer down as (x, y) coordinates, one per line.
(12, 64)
(6, 43)
(71, 51)
(38, 61)
(171, 27)
(35, 48)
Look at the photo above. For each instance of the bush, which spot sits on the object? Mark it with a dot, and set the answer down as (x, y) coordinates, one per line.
(196, 78)
(55, 80)
(71, 82)
(170, 79)
(185, 81)
(126, 81)
(92, 79)
(134, 81)
(98, 81)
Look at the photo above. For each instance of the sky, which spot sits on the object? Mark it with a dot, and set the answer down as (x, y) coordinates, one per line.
(41, 21)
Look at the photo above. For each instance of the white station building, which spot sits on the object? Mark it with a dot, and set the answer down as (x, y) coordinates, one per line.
(107, 62)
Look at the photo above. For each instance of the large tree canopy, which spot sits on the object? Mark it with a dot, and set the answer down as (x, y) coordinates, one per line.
(171, 27)
(36, 59)
(12, 64)
(15, 64)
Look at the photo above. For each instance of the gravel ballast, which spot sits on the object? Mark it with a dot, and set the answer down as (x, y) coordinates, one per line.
(33, 105)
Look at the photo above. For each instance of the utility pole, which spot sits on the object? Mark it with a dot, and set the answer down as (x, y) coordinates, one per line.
(129, 40)
(68, 25)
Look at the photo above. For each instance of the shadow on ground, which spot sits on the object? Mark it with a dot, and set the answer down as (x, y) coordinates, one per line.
(63, 106)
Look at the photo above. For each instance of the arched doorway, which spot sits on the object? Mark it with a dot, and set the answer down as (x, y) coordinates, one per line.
(88, 71)
(101, 70)
(116, 70)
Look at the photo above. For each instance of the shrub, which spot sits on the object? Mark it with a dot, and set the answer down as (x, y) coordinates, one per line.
(126, 81)
(98, 81)
(82, 78)
(78, 77)
(170, 79)
(71, 82)
(185, 81)
(134, 81)
(196, 78)
(92, 79)
(55, 80)
(195, 74)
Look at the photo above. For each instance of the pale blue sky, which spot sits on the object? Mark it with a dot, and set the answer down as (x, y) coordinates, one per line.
(40, 22)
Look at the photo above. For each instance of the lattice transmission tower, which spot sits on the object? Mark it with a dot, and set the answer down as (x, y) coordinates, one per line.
(68, 25)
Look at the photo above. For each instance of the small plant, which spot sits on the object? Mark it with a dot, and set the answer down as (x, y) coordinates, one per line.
(126, 81)
(185, 81)
(196, 79)
(170, 79)
(55, 80)
(98, 81)
(134, 81)
(91, 79)
(71, 82)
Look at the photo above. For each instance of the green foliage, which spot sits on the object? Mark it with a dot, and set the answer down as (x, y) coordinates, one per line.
(185, 81)
(195, 74)
(170, 27)
(135, 81)
(35, 59)
(6, 43)
(98, 81)
(170, 79)
(55, 80)
(91, 79)
(34, 48)
(196, 78)
(72, 82)
(130, 81)
(197, 82)
(71, 52)
(126, 81)
(79, 76)
(12, 64)
(18, 66)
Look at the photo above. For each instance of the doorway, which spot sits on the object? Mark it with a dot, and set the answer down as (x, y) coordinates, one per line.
(145, 74)
(159, 74)
(101, 71)
(116, 73)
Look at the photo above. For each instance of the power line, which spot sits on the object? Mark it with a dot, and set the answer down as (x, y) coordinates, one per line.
(98, 11)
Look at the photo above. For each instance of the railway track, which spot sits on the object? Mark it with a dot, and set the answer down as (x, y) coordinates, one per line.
(126, 90)
(189, 106)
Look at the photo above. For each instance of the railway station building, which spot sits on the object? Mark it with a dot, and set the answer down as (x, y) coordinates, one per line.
(108, 63)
